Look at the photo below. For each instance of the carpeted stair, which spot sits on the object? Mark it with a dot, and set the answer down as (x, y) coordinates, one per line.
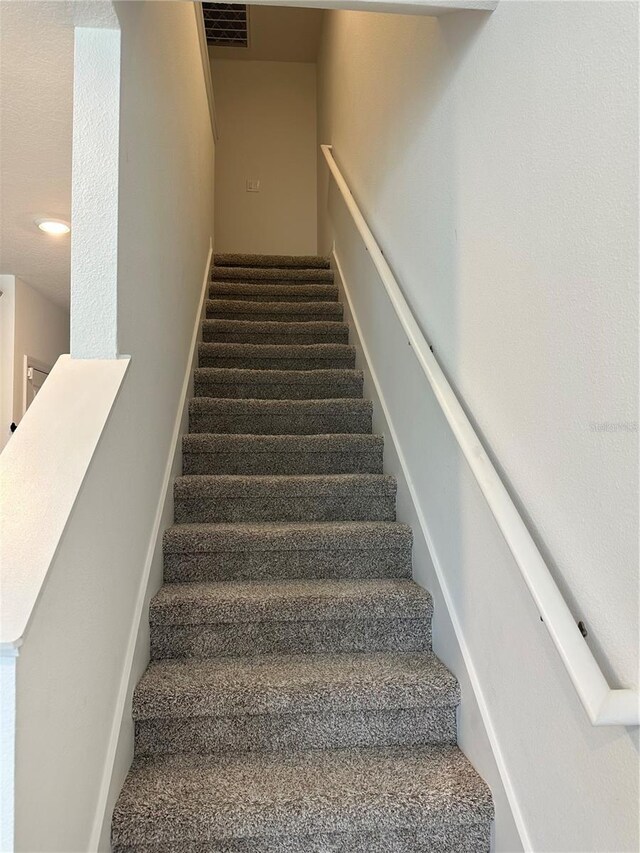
(292, 703)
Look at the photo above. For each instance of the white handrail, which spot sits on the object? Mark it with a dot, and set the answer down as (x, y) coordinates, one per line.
(604, 705)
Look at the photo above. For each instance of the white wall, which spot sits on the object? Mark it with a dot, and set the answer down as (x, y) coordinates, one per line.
(267, 124)
(31, 326)
(499, 173)
(74, 738)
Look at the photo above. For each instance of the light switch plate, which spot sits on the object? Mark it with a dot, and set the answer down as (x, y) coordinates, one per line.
(253, 186)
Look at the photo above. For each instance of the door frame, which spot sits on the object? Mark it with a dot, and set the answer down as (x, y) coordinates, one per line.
(41, 366)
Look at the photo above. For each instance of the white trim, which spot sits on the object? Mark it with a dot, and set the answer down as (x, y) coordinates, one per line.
(605, 706)
(41, 366)
(442, 580)
(8, 748)
(156, 537)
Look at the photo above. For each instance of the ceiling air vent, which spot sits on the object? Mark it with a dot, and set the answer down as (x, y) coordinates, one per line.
(226, 24)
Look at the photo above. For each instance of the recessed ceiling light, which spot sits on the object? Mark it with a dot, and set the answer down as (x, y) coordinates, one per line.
(53, 226)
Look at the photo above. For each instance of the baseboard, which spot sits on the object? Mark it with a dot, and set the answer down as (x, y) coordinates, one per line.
(138, 646)
(471, 672)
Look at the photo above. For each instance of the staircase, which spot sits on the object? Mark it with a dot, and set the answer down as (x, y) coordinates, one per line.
(292, 703)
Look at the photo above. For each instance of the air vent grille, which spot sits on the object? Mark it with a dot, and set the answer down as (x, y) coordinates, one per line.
(226, 24)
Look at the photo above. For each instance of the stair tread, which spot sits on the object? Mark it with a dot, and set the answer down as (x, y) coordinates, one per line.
(278, 384)
(174, 798)
(276, 485)
(275, 331)
(287, 535)
(289, 601)
(279, 274)
(253, 332)
(259, 289)
(274, 326)
(239, 306)
(231, 259)
(258, 292)
(338, 404)
(344, 415)
(302, 683)
(206, 442)
(273, 376)
(271, 356)
(277, 351)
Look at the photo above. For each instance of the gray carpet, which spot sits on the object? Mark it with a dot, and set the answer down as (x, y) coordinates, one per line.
(293, 703)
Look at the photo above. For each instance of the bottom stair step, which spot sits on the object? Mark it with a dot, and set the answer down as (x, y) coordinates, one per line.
(389, 799)
(444, 839)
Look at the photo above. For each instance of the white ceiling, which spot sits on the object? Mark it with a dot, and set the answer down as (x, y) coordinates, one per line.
(36, 104)
(278, 34)
(36, 70)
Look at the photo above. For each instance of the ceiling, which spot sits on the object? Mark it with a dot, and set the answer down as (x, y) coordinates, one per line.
(36, 107)
(36, 99)
(278, 34)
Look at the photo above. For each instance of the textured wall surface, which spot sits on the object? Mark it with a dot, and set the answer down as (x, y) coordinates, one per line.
(96, 151)
(498, 170)
(267, 120)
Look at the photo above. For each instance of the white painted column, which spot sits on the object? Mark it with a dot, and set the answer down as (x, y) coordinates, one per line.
(94, 194)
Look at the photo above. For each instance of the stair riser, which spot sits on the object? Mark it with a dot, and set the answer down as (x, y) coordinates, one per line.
(271, 637)
(470, 838)
(346, 362)
(337, 336)
(331, 730)
(267, 293)
(230, 508)
(265, 565)
(272, 424)
(282, 463)
(330, 390)
(255, 313)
